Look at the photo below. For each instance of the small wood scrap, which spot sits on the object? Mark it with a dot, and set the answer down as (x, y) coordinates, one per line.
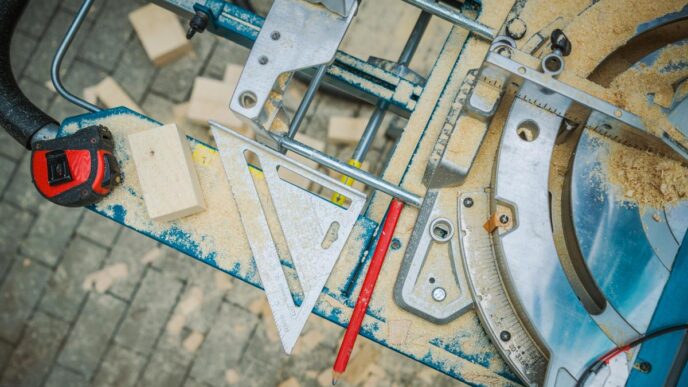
(232, 377)
(166, 173)
(291, 382)
(362, 364)
(110, 94)
(210, 100)
(161, 34)
(102, 280)
(346, 130)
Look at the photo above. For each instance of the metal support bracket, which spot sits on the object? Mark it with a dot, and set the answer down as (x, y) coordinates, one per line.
(314, 229)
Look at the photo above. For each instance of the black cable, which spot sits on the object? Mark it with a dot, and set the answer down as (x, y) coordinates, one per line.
(597, 365)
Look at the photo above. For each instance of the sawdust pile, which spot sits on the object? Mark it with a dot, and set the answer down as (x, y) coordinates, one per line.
(645, 178)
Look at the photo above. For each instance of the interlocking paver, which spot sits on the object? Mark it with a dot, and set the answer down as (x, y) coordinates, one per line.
(120, 368)
(79, 76)
(18, 296)
(51, 232)
(65, 292)
(129, 248)
(98, 229)
(39, 66)
(175, 80)
(6, 169)
(14, 226)
(109, 35)
(62, 377)
(5, 352)
(134, 71)
(20, 51)
(10, 148)
(21, 191)
(91, 334)
(224, 345)
(225, 52)
(36, 17)
(33, 358)
(161, 373)
(149, 312)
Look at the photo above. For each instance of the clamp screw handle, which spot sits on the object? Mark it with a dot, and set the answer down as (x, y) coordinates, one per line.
(560, 42)
(198, 23)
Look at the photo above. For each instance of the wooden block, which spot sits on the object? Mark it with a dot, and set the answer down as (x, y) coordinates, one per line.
(232, 74)
(166, 173)
(210, 101)
(346, 130)
(162, 36)
(91, 94)
(111, 95)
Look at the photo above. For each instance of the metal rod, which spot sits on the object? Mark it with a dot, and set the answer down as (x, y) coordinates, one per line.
(381, 108)
(306, 101)
(348, 170)
(455, 17)
(59, 56)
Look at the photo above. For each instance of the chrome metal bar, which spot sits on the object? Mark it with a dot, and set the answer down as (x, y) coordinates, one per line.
(455, 17)
(381, 109)
(306, 101)
(348, 170)
(59, 56)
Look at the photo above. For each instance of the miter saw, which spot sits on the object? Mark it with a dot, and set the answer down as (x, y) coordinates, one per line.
(517, 261)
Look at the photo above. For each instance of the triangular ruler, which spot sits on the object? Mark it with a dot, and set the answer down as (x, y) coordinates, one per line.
(315, 229)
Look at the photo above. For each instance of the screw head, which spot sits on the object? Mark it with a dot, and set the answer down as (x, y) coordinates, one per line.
(439, 294)
(396, 244)
(505, 335)
(504, 219)
(468, 202)
(643, 366)
(275, 35)
(263, 60)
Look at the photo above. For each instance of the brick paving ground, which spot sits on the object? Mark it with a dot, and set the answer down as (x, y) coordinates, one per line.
(168, 320)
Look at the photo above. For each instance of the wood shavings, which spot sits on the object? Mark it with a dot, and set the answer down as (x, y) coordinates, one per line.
(102, 280)
(193, 341)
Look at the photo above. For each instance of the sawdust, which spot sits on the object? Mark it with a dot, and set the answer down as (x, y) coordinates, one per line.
(232, 376)
(645, 178)
(193, 341)
(102, 280)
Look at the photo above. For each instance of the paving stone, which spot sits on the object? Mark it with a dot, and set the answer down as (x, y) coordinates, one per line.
(178, 265)
(80, 76)
(39, 65)
(158, 107)
(37, 93)
(18, 296)
(65, 292)
(149, 312)
(21, 191)
(12, 232)
(50, 232)
(9, 147)
(20, 51)
(135, 71)
(6, 169)
(175, 80)
(91, 334)
(224, 345)
(129, 248)
(62, 377)
(120, 368)
(109, 35)
(5, 353)
(252, 373)
(98, 228)
(225, 52)
(33, 358)
(162, 373)
(36, 17)
(194, 383)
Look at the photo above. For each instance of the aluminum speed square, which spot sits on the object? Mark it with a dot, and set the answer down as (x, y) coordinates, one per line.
(314, 229)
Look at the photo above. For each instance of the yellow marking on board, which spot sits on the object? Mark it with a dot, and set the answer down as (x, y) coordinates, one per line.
(338, 198)
(202, 155)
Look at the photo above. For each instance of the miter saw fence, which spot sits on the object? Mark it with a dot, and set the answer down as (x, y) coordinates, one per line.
(504, 228)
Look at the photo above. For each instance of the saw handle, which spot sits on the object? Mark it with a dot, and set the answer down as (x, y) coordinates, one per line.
(18, 116)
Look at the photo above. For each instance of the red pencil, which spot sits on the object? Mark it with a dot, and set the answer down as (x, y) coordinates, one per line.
(376, 262)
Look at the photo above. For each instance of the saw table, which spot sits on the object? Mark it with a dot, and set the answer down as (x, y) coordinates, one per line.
(515, 261)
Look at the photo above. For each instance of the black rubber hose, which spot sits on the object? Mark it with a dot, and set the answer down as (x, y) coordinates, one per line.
(18, 116)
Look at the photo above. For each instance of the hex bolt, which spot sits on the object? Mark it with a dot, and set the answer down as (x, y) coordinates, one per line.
(644, 366)
(468, 202)
(516, 28)
(439, 294)
(504, 219)
(505, 336)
